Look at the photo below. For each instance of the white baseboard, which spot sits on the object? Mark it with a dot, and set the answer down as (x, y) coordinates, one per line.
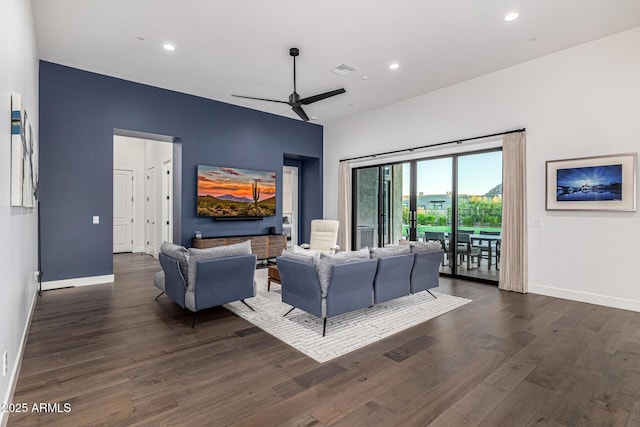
(588, 297)
(80, 281)
(15, 372)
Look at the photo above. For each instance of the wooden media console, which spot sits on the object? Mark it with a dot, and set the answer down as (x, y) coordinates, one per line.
(265, 246)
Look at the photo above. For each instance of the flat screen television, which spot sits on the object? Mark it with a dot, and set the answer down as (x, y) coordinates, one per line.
(234, 193)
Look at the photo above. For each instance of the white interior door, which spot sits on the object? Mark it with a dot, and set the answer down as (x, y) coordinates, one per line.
(123, 185)
(290, 203)
(150, 195)
(167, 201)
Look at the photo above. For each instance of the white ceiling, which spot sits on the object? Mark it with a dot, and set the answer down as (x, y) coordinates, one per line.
(242, 46)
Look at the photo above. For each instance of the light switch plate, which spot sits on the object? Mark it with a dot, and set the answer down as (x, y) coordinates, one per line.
(96, 219)
(536, 222)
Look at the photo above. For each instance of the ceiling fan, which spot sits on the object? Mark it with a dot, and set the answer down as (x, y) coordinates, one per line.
(295, 101)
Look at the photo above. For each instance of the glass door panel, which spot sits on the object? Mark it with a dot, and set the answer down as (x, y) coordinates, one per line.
(479, 214)
(393, 193)
(407, 203)
(380, 213)
(366, 192)
(434, 202)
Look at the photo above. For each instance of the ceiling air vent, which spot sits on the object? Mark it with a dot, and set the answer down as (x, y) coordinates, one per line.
(344, 69)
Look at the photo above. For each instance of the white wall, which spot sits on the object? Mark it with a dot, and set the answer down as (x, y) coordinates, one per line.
(18, 226)
(580, 102)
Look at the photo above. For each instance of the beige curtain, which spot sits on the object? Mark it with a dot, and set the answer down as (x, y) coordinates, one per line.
(513, 255)
(344, 206)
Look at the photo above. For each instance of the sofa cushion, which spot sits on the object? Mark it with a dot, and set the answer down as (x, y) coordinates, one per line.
(325, 263)
(300, 257)
(196, 255)
(417, 247)
(180, 253)
(390, 251)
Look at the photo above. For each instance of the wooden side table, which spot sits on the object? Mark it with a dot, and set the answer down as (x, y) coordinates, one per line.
(273, 275)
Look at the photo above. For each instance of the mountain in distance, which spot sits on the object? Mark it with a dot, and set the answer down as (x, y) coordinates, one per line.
(235, 199)
(495, 191)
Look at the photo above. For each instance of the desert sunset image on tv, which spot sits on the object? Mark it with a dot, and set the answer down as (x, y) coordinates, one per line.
(231, 192)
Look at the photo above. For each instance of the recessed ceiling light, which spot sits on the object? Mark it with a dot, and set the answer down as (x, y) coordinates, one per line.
(511, 16)
(169, 47)
(394, 66)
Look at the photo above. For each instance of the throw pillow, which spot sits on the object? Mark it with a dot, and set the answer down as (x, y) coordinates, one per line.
(307, 259)
(196, 255)
(325, 263)
(417, 247)
(308, 252)
(180, 253)
(426, 247)
(390, 251)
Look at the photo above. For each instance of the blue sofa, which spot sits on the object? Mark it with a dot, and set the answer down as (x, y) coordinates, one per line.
(197, 279)
(356, 284)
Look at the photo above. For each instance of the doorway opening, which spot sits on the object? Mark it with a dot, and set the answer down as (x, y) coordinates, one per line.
(144, 184)
(290, 221)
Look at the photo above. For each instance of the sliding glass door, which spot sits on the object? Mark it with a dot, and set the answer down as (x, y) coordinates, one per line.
(479, 214)
(456, 200)
(379, 205)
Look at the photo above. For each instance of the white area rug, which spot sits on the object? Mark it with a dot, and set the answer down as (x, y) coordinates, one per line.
(346, 332)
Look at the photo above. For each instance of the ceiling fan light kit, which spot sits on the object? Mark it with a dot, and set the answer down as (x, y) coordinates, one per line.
(295, 102)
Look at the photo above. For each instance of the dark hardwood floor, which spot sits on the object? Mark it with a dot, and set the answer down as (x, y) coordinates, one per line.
(120, 358)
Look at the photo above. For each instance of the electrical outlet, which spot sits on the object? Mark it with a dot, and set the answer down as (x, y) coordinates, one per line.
(36, 275)
(96, 219)
(5, 365)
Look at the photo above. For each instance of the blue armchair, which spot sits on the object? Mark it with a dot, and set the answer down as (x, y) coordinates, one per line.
(216, 281)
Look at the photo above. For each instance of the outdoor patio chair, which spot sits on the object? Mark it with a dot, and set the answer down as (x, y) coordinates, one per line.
(465, 249)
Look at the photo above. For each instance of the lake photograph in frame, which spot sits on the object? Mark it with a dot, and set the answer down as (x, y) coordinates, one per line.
(597, 183)
(592, 183)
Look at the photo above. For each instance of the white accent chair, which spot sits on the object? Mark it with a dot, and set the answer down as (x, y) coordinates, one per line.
(324, 236)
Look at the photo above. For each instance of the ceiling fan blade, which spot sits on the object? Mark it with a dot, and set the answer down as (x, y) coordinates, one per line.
(299, 111)
(320, 97)
(261, 99)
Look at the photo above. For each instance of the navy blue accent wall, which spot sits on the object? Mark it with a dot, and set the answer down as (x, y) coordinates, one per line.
(310, 177)
(78, 113)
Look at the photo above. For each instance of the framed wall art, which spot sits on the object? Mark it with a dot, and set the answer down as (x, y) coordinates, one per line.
(24, 157)
(601, 183)
(17, 146)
